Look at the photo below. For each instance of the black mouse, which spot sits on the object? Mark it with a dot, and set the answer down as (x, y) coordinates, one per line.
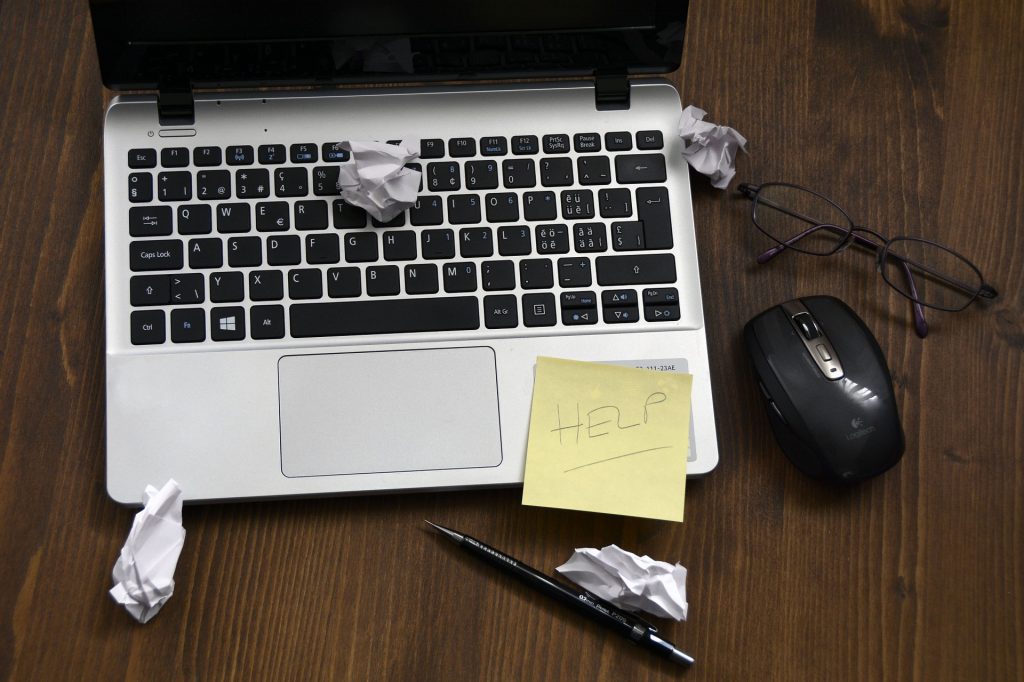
(828, 389)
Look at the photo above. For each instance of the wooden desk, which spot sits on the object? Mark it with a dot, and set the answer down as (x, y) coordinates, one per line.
(909, 114)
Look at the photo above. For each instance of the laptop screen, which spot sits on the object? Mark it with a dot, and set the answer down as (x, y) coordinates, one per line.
(149, 44)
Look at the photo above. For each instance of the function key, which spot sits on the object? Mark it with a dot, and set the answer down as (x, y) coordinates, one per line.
(618, 142)
(649, 139)
(142, 158)
(587, 142)
(493, 146)
(174, 157)
(303, 153)
(525, 144)
(206, 156)
(432, 148)
(556, 144)
(462, 146)
(271, 153)
(240, 155)
(332, 152)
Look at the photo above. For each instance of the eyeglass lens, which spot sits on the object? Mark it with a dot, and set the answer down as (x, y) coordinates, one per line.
(801, 219)
(938, 277)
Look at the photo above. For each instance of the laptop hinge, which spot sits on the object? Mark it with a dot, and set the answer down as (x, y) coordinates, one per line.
(176, 106)
(611, 90)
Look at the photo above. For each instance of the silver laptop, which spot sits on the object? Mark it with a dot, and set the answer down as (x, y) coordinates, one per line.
(267, 339)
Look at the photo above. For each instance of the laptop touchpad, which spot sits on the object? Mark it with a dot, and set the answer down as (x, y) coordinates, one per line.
(388, 411)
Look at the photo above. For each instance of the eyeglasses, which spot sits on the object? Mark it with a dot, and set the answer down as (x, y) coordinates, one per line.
(929, 274)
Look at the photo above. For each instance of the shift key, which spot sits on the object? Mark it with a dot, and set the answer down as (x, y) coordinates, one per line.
(654, 212)
(636, 168)
(155, 254)
(659, 268)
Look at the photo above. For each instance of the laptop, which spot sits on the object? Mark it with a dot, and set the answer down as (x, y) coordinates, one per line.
(267, 339)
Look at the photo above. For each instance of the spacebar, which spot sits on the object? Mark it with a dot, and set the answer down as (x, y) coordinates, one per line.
(389, 316)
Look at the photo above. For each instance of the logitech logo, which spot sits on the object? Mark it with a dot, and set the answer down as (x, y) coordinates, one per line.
(859, 430)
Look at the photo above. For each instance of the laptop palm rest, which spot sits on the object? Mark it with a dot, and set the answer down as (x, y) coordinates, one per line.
(388, 411)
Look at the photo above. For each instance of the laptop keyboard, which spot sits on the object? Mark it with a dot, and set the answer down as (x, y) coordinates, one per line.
(251, 242)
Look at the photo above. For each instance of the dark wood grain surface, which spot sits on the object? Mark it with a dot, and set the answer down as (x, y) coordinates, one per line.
(910, 114)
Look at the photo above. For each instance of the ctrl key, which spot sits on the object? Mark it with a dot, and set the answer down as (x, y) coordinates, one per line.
(147, 327)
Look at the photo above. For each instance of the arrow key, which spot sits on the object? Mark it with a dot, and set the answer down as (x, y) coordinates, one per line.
(661, 313)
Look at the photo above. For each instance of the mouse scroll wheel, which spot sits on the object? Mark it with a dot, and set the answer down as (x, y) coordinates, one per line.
(807, 326)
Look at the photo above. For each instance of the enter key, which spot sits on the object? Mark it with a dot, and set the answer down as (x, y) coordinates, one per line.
(656, 216)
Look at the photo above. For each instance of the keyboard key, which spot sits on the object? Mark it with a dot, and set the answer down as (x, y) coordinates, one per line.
(305, 283)
(421, 279)
(397, 221)
(636, 269)
(637, 168)
(649, 139)
(155, 254)
(556, 144)
(174, 186)
(266, 321)
(347, 216)
(556, 172)
(577, 204)
(382, 280)
(245, 252)
(149, 221)
(436, 244)
(476, 242)
(463, 209)
(589, 237)
(291, 182)
(618, 142)
(187, 288)
(652, 208)
(497, 275)
(579, 308)
(284, 250)
(311, 215)
(399, 245)
(586, 142)
(305, 152)
(333, 153)
(615, 203)
(361, 247)
(147, 327)
(140, 187)
(502, 207)
(344, 282)
(149, 290)
(188, 325)
(621, 314)
(213, 185)
(618, 298)
(252, 183)
(574, 272)
(519, 173)
(514, 240)
(594, 170)
(206, 156)
(449, 313)
(525, 144)
(322, 248)
(501, 312)
(552, 239)
(195, 219)
(266, 285)
(661, 296)
(661, 313)
(536, 273)
(174, 157)
(271, 154)
(142, 158)
(226, 287)
(539, 206)
(493, 146)
(233, 218)
(325, 181)
(432, 148)
(227, 324)
(428, 210)
(481, 174)
(240, 155)
(628, 236)
(443, 177)
(461, 146)
(539, 310)
(459, 277)
(272, 216)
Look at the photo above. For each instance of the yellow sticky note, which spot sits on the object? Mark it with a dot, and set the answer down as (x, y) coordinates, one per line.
(610, 439)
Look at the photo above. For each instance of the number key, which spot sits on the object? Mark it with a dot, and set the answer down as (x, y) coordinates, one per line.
(213, 185)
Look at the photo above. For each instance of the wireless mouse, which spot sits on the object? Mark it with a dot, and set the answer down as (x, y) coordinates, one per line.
(827, 387)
